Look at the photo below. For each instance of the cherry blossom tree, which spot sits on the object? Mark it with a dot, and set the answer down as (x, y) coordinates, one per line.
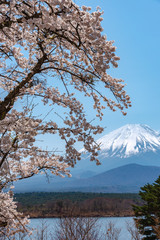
(45, 44)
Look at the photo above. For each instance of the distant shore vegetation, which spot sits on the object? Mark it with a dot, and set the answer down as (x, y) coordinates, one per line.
(69, 204)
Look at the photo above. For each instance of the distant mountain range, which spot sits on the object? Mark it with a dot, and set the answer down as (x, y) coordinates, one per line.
(128, 178)
(130, 158)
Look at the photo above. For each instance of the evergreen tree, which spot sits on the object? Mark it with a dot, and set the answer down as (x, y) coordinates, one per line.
(148, 215)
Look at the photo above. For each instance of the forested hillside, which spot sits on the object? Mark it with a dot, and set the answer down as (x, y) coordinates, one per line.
(76, 204)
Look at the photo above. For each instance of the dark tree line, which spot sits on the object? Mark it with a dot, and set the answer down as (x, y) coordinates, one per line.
(82, 204)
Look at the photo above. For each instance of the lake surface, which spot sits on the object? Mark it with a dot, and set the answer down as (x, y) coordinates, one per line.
(120, 222)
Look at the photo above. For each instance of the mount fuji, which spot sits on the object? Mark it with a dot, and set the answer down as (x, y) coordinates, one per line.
(132, 143)
(129, 156)
(130, 140)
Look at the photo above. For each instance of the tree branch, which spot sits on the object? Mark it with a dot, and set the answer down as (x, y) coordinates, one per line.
(7, 104)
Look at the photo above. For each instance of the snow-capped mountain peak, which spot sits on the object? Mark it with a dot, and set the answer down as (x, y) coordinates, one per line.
(129, 140)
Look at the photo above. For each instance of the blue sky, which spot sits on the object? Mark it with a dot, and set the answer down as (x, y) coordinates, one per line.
(134, 25)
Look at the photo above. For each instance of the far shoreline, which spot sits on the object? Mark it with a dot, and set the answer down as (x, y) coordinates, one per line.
(77, 204)
(83, 216)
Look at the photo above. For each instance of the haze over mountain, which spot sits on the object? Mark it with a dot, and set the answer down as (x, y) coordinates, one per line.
(128, 178)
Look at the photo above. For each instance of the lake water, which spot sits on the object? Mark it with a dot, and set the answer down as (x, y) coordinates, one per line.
(120, 222)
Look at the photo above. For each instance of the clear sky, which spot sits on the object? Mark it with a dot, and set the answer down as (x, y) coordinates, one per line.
(134, 25)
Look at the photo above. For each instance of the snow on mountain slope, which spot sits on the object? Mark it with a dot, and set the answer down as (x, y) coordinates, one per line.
(129, 140)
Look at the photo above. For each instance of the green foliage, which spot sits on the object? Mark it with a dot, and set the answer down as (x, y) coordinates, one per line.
(58, 204)
(148, 215)
(41, 197)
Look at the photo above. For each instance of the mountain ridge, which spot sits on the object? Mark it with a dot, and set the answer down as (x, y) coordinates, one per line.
(128, 178)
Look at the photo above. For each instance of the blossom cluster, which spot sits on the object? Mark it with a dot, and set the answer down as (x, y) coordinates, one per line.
(11, 221)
